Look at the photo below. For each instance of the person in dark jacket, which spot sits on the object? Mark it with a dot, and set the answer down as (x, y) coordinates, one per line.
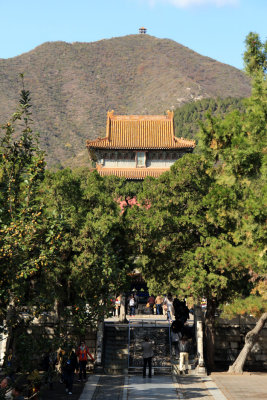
(147, 348)
(175, 337)
(17, 393)
(69, 367)
(49, 363)
(184, 348)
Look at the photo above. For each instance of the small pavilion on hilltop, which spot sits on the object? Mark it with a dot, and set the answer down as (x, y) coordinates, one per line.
(137, 146)
(142, 30)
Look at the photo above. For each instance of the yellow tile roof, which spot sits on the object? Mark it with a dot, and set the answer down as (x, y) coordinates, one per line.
(140, 132)
(131, 173)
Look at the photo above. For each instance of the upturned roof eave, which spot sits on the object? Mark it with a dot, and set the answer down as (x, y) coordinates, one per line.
(110, 147)
(105, 144)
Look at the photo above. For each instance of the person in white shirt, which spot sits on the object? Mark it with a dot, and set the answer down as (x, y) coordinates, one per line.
(132, 306)
(168, 303)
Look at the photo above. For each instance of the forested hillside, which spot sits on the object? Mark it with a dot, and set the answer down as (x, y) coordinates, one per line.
(187, 117)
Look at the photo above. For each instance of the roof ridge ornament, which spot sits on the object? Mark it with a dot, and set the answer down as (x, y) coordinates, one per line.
(109, 116)
(170, 114)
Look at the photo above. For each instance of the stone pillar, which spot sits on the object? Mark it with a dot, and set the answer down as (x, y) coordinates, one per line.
(99, 343)
(201, 369)
(122, 317)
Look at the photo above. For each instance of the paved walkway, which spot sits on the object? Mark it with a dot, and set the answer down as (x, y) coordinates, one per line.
(249, 386)
(159, 387)
(215, 387)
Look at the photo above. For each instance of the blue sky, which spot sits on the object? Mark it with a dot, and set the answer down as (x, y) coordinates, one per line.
(214, 28)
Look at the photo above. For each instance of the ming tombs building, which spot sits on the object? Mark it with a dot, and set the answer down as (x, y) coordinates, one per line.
(137, 146)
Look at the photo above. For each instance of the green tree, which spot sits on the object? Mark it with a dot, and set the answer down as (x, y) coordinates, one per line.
(182, 247)
(92, 256)
(238, 145)
(205, 231)
(27, 241)
(255, 55)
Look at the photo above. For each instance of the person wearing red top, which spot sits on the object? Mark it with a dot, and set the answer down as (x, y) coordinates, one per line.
(151, 302)
(82, 353)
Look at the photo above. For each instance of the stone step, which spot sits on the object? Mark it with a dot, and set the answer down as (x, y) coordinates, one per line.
(117, 358)
(118, 329)
(155, 371)
(116, 371)
(116, 337)
(191, 368)
(117, 365)
(116, 351)
(116, 342)
(112, 346)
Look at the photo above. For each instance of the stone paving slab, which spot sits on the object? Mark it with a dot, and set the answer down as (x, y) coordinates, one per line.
(109, 387)
(90, 387)
(194, 387)
(104, 387)
(248, 386)
(155, 388)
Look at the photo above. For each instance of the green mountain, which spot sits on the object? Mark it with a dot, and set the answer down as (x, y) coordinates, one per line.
(73, 85)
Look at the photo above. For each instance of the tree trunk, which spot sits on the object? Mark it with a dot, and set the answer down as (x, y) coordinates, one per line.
(210, 333)
(250, 339)
(11, 312)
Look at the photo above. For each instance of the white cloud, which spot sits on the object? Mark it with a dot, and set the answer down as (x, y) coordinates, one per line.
(190, 3)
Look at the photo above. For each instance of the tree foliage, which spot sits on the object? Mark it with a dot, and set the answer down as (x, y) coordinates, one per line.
(188, 117)
(23, 223)
(92, 256)
(255, 55)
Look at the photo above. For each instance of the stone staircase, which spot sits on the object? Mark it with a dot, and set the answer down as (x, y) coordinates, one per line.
(115, 354)
(122, 352)
(121, 355)
(159, 335)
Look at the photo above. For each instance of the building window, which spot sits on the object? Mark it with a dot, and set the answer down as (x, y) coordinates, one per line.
(140, 159)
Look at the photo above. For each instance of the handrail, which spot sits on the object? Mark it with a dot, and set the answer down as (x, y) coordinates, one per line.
(170, 343)
(129, 339)
(143, 322)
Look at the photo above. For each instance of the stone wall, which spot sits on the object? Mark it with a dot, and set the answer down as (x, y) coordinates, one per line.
(44, 325)
(229, 341)
(90, 339)
(115, 354)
